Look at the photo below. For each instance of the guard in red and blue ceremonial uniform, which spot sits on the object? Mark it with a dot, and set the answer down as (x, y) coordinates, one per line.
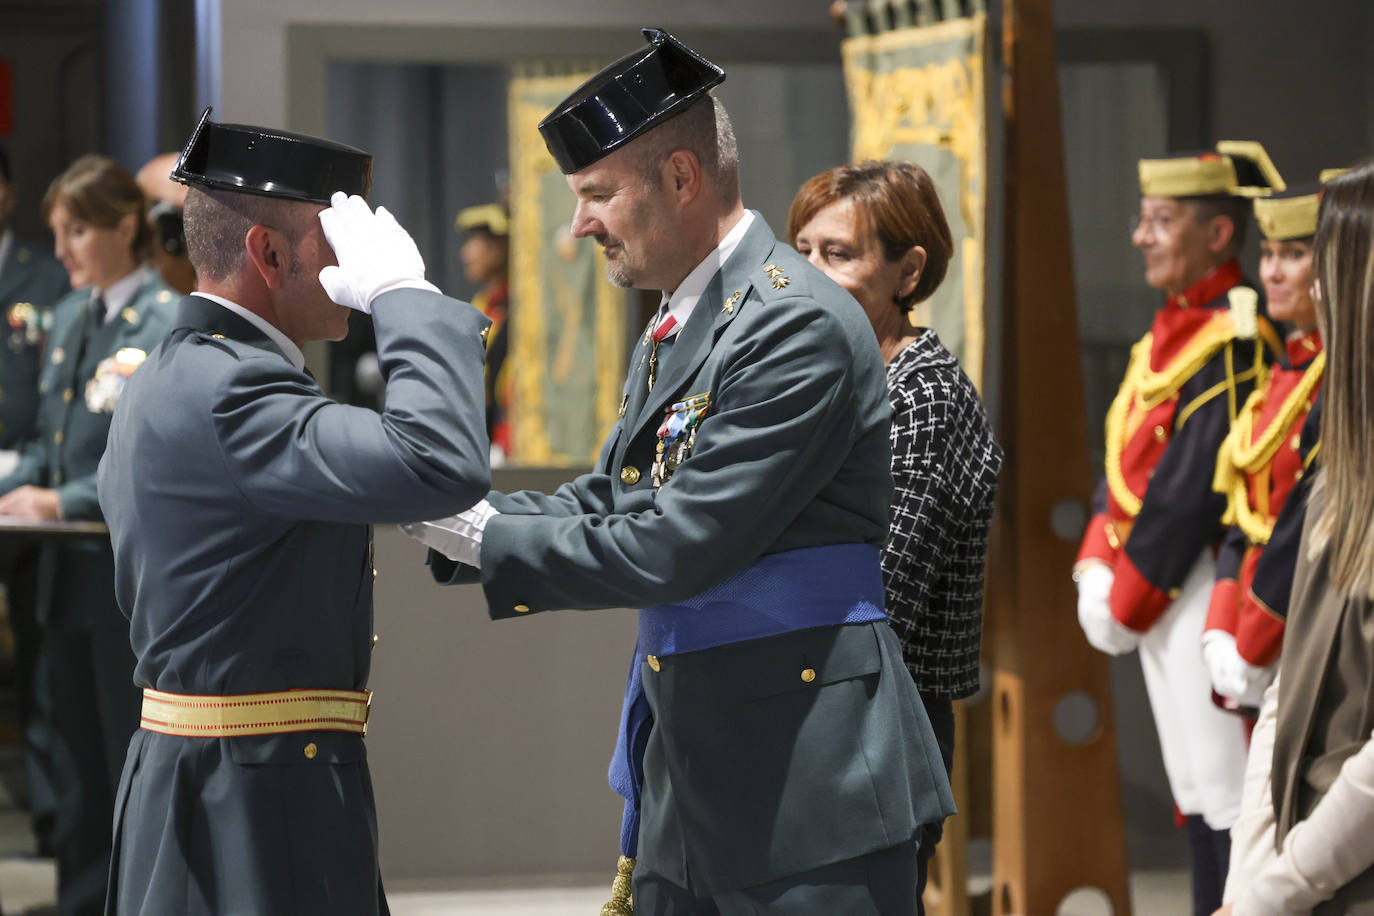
(1261, 464)
(1145, 569)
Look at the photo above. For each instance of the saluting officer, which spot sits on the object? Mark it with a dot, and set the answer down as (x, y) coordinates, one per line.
(1261, 463)
(101, 333)
(1145, 569)
(773, 751)
(238, 496)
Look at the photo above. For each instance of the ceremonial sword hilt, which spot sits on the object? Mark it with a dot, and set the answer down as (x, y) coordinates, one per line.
(620, 903)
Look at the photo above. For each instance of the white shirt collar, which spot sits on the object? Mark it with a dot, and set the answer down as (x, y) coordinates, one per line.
(122, 291)
(684, 299)
(293, 352)
(6, 243)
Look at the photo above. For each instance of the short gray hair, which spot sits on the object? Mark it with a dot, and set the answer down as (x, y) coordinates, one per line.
(217, 221)
(704, 130)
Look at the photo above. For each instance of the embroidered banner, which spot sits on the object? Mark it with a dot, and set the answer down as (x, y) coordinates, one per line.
(568, 323)
(917, 93)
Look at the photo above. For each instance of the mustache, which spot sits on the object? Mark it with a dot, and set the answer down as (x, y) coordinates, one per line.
(607, 240)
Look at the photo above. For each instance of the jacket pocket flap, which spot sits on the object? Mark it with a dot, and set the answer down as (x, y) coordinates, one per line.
(298, 748)
(806, 660)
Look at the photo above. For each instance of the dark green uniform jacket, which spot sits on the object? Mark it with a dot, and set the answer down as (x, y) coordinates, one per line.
(239, 499)
(752, 772)
(30, 285)
(88, 364)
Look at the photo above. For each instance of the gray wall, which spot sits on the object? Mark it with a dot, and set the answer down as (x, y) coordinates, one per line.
(489, 742)
(1296, 76)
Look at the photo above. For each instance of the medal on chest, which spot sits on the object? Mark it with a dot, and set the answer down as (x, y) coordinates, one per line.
(677, 434)
(27, 324)
(103, 391)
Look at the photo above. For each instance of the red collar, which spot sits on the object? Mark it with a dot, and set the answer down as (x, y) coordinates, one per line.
(1209, 288)
(1303, 347)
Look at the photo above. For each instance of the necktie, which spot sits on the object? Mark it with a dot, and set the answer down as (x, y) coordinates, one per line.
(660, 342)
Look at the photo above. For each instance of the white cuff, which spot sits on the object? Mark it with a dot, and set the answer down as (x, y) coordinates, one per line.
(458, 537)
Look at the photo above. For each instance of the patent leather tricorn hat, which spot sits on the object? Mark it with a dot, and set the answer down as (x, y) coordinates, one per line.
(271, 163)
(636, 93)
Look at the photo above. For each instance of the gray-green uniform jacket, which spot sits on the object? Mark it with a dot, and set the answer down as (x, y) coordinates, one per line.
(84, 375)
(239, 499)
(752, 772)
(31, 283)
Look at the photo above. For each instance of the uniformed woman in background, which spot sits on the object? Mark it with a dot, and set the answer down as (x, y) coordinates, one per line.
(117, 312)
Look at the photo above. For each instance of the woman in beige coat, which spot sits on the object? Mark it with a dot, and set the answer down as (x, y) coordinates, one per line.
(1316, 818)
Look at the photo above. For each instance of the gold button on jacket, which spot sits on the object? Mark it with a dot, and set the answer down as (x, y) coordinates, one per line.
(522, 609)
(653, 662)
(629, 475)
(311, 750)
(808, 674)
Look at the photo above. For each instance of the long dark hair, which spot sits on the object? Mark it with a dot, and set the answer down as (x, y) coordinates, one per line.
(1343, 262)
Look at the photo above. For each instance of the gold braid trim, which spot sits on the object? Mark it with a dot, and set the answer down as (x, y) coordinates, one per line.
(1157, 387)
(621, 903)
(1241, 453)
(1146, 389)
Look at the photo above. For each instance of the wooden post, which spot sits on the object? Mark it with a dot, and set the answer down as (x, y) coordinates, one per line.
(1057, 822)
(947, 883)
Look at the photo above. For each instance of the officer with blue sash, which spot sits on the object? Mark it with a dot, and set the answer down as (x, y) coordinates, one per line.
(239, 499)
(773, 753)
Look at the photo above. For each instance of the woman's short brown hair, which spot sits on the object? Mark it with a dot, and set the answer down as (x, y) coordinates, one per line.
(898, 202)
(96, 190)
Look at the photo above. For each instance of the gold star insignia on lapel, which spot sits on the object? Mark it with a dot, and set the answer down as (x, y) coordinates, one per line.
(780, 282)
(773, 271)
(730, 303)
(129, 315)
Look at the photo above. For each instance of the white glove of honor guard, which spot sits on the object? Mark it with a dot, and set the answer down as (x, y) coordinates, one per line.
(1102, 630)
(1233, 676)
(458, 537)
(375, 254)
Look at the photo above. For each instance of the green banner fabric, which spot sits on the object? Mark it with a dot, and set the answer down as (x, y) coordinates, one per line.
(917, 93)
(568, 323)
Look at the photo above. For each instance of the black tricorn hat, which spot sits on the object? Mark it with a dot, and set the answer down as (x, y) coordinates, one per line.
(271, 163)
(641, 90)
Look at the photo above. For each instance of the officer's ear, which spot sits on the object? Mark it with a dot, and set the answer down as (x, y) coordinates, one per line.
(682, 175)
(270, 254)
(1221, 231)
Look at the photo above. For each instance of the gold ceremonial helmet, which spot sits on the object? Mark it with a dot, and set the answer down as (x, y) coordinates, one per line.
(1237, 168)
(1292, 214)
(491, 217)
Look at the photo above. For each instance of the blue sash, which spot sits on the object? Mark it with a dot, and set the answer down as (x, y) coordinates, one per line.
(782, 592)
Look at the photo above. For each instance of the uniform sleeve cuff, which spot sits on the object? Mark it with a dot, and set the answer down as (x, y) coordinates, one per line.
(1136, 602)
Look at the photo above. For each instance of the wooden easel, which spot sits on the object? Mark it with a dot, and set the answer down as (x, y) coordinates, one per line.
(1057, 822)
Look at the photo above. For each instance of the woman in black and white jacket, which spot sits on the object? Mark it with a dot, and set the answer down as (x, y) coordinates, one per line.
(878, 230)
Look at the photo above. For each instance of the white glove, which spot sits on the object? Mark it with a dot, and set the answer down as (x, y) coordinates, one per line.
(1233, 676)
(375, 254)
(458, 537)
(1102, 630)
